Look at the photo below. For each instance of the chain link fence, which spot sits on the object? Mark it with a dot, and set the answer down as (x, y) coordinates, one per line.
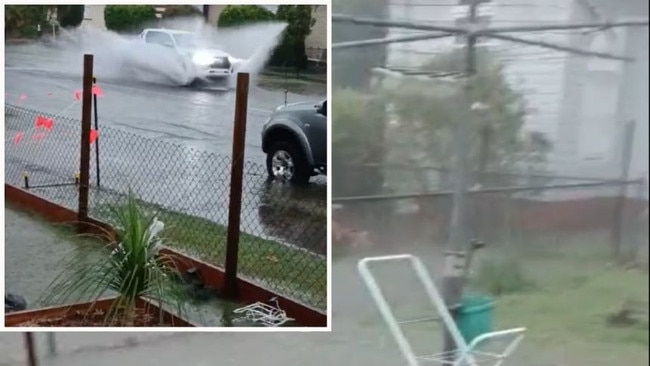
(42, 153)
(283, 237)
(533, 209)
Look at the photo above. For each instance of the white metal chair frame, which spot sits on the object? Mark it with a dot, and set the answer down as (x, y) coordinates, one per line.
(465, 354)
(259, 312)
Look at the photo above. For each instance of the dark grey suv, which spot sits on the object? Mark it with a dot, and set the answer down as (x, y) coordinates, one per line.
(295, 141)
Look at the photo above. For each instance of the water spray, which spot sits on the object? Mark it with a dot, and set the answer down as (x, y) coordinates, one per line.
(121, 57)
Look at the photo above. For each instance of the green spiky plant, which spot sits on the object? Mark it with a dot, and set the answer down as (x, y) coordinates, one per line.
(133, 269)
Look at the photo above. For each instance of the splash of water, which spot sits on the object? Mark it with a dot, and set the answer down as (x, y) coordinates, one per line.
(126, 57)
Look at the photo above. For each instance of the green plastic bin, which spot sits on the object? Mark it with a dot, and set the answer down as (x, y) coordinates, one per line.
(474, 317)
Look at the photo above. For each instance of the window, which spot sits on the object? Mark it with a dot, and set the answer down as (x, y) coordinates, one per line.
(160, 38)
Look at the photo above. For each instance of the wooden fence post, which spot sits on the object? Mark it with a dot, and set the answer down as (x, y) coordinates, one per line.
(236, 186)
(84, 155)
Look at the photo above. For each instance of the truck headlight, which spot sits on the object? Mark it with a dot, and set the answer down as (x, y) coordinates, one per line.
(202, 58)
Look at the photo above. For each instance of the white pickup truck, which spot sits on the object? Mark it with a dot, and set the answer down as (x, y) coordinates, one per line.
(208, 63)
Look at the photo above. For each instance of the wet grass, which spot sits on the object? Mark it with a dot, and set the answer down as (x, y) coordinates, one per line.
(284, 269)
(571, 295)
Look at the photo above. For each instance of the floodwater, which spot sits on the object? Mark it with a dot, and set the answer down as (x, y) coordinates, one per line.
(35, 251)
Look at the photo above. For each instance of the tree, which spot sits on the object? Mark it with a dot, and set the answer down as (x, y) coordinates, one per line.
(238, 15)
(356, 143)
(70, 16)
(23, 20)
(427, 112)
(291, 50)
(128, 18)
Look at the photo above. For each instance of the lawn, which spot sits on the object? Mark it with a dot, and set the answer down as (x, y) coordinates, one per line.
(285, 269)
(567, 296)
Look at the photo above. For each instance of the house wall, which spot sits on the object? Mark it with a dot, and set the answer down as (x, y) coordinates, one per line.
(94, 16)
(214, 12)
(589, 132)
(600, 96)
(318, 37)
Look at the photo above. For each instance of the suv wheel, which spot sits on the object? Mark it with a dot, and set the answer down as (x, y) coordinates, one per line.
(284, 160)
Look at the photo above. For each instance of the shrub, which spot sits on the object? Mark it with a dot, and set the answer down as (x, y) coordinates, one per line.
(128, 18)
(172, 11)
(356, 141)
(134, 269)
(70, 15)
(291, 50)
(501, 276)
(236, 15)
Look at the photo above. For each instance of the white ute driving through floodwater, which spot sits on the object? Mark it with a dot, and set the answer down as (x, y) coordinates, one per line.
(205, 63)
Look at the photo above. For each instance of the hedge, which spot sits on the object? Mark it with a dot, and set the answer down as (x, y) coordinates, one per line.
(70, 16)
(236, 15)
(128, 18)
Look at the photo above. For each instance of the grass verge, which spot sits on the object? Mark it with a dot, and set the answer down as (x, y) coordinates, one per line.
(287, 270)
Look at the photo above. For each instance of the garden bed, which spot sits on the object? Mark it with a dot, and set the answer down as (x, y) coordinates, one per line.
(93, 314)
(294, 271)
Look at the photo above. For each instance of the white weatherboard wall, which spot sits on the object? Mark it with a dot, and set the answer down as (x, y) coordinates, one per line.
(634, 101)
(601, 95)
